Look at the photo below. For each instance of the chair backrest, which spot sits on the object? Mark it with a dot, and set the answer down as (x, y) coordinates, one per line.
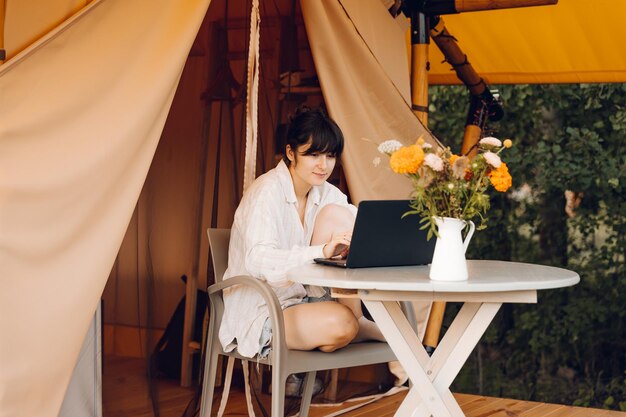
(218, 241)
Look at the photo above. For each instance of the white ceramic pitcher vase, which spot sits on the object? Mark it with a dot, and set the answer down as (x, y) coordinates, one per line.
(449, 262)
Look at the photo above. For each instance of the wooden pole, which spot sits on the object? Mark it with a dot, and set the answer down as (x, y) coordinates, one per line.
(216, 99)
(420, 39)
(2, 18)
(483, 104)
(440, 7)
(455, 56)
(433, 326)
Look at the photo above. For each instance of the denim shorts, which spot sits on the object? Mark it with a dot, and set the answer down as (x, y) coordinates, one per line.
(266, 334)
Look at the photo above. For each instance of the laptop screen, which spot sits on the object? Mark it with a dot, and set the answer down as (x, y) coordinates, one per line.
(381, 237)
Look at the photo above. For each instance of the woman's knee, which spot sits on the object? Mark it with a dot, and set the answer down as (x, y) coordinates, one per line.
(335, 215)
(342, 327)
(331, 218)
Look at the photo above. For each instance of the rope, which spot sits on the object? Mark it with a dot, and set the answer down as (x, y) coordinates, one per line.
(366, 401)
(249, 169)
(227, 382)
(416, 107)
(252, 90)
(246, 383)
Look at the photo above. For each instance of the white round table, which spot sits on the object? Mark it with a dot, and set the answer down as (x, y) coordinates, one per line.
(490, 284)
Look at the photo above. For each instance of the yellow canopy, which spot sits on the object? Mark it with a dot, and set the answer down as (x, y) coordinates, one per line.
(575, 41)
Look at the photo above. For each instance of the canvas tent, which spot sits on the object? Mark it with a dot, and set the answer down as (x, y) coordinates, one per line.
(84, 96)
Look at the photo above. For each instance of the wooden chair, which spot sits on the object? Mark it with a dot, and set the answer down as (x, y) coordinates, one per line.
(282, 360)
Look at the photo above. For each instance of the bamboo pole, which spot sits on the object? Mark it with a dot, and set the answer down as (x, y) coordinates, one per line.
(419, 100)
(433, 326)
(440, 7)
(420, 39)
(419, 82)
(2, 18)
(483, 104)
(455, 56)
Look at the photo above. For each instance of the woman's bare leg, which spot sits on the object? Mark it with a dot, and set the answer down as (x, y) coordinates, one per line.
(331, 219)
(326, 325)
(336, 219)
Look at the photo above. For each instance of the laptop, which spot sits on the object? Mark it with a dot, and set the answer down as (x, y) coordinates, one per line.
(381, 237)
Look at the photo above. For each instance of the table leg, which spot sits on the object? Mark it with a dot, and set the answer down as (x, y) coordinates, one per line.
(432, 376)
(459, 341)
(411, 354)
(412, 406)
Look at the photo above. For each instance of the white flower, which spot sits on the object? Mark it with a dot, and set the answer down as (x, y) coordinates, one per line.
(426, 146)
(434, 162)
(492, 159)
(450, 186)
(376, 161)
(389, 146)
(522, 194)
(491, 141)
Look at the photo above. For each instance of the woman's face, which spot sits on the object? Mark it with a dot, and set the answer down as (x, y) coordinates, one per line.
(309, 170)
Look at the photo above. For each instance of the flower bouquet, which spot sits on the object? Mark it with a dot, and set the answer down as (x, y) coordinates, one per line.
(449, 185)
(448, 192)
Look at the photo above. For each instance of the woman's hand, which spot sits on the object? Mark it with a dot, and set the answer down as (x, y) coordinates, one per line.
(338, 245)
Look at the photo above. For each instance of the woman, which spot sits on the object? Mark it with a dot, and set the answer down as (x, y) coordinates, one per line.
(287, 217)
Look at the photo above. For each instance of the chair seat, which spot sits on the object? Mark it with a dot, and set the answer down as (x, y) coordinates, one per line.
(354, 354)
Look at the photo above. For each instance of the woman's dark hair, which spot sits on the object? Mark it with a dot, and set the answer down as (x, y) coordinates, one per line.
(315, 126)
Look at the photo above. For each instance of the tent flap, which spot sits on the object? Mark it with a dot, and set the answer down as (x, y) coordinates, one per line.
(81, 114)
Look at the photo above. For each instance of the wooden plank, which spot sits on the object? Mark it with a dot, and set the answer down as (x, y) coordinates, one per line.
(512, 408)
(613, 414)
(582, 412)
(125, 394)
(542, 410)
(382, 407)
(568, 411)
(478, 407)
(464, 399)
(608, 413)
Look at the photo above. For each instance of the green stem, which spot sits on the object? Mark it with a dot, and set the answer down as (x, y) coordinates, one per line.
(474, 191)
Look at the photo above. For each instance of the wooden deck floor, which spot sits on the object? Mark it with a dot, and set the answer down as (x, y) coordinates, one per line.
(125, 394)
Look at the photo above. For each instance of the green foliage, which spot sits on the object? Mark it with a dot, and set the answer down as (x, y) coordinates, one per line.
(571, 346)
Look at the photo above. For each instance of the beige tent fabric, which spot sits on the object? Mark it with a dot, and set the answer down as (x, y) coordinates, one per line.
(385, 38)
(29, 20)
(360, 94)
(80, 116)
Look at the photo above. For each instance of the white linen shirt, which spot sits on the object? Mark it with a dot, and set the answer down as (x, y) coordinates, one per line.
(267, 239)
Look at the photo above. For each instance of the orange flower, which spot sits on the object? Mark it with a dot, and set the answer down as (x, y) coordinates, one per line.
(453, 158)
(407, 160)
(500, 178)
